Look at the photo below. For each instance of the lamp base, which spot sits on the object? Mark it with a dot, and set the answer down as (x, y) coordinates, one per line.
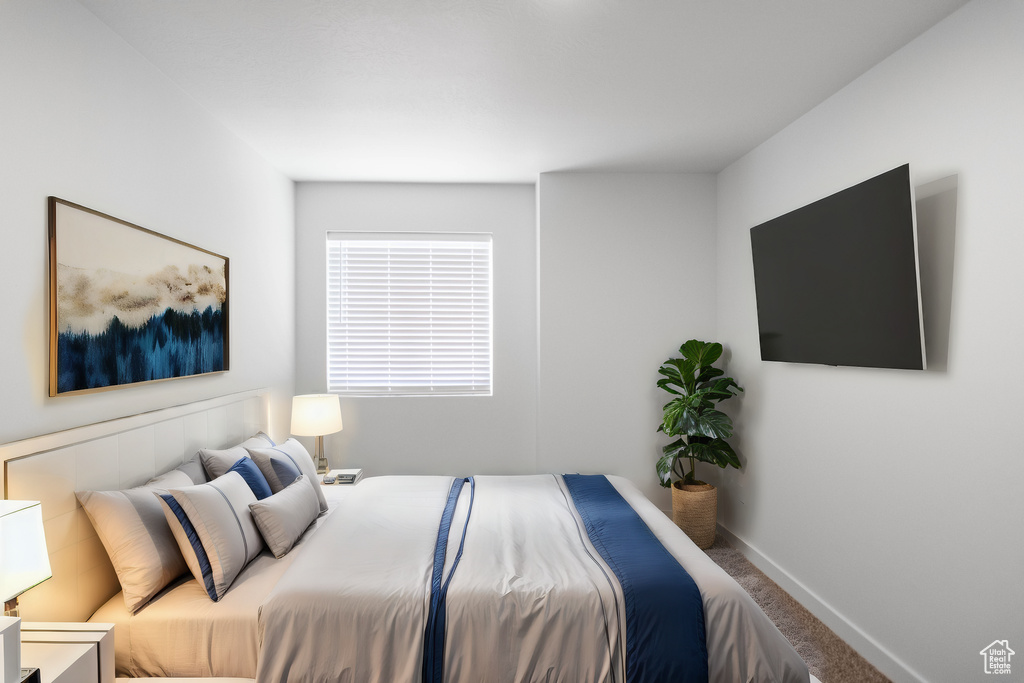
(322, 466)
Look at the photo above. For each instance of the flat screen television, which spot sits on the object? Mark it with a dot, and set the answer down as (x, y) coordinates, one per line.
(837, 281)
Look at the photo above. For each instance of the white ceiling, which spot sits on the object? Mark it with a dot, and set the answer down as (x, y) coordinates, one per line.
(501, 90)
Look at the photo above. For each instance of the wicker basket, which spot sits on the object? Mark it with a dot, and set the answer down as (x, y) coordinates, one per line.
(695, 511)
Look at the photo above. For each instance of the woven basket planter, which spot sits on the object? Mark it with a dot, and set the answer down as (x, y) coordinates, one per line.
(695, 511)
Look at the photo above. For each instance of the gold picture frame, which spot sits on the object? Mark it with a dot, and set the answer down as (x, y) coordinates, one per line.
(129, 305)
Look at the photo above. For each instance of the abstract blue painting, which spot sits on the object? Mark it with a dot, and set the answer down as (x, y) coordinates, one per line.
(130, 305)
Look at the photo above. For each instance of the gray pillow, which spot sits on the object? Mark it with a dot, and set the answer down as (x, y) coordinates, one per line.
(283, 517)
(217, 462)
(214, 529)
(289, 456)
(195, 470)
(134, 531)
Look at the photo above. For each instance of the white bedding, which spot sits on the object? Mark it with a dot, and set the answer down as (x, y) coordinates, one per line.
(528, 603)
(350, 601)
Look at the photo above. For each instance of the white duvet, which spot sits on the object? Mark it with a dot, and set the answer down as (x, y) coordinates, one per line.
(531, 600)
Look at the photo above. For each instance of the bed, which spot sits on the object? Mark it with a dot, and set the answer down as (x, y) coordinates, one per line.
(528, 593)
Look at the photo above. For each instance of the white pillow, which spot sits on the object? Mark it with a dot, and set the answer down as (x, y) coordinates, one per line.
(273, 461)
(132, 528)
(214, 529)
(283, 517)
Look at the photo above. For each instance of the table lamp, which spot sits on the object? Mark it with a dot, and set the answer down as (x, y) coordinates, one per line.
(316, 415)
(24, 563)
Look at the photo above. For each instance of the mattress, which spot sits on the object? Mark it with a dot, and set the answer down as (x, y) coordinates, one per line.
(350, 601)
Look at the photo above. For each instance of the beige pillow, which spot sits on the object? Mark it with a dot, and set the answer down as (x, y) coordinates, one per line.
(134, 531)
(217, 462)
(283, 517)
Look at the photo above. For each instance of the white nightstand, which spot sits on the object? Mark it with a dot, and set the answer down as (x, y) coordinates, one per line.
(69, 652)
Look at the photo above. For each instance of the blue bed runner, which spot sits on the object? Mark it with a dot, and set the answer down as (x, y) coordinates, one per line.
(433, 639)
(665, 638)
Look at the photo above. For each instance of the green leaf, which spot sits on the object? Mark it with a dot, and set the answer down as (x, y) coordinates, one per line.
(671, 417)
(707, 373)
(700, 352)
(688, 421)
(666, 385)
(727, 456)
(721, 389)
(715, 424)
(664, 468)
(715, 452)
(676, 449)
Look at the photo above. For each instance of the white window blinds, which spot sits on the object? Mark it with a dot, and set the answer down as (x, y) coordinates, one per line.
(408, 314)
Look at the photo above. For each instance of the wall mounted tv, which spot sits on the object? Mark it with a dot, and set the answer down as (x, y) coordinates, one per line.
(837, 281)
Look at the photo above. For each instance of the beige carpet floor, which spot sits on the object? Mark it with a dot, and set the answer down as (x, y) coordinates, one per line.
(827, 656)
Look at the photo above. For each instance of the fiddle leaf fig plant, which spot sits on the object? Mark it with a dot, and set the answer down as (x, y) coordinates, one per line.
(697, 387)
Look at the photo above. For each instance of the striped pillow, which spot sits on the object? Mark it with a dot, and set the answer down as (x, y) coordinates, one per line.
(253, 477)
(283, 463)
(214, 529)
(138, 541)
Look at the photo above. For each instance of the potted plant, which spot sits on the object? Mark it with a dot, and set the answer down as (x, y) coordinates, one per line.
(697, 387)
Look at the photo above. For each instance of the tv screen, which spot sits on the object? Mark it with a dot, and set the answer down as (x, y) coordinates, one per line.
(837, 281)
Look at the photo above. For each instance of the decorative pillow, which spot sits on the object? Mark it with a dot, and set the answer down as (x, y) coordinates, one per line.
(284, 516)
(218, 461)
(253, 477)
(278, 469)
(214, 529)
(272, 462)
(132, 528)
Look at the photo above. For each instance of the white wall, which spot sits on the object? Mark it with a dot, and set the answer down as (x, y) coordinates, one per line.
(85, 118)
(627, 274)
(457, 435)
(614, 252)
(894, 497)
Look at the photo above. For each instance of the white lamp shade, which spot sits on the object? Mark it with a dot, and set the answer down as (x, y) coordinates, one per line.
(316, 414)
(24, 562)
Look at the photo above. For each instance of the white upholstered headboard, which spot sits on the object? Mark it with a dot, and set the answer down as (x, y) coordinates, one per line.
(107, 456)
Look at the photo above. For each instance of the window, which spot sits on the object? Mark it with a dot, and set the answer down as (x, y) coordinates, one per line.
(408, 314)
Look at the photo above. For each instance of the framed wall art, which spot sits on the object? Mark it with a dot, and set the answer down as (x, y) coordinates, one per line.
(129, 305)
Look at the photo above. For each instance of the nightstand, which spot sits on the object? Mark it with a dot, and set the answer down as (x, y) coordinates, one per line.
(69, 652)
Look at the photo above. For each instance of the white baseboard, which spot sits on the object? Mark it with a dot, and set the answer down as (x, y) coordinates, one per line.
(867, 647)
